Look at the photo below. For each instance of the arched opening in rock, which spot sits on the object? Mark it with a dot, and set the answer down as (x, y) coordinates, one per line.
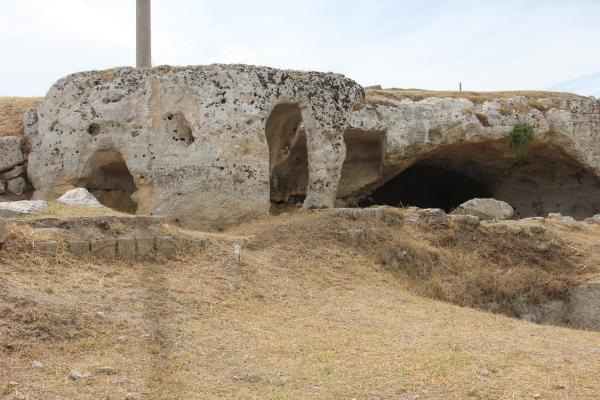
(362, 165)
(545, 180)
(288, 157)
(107, 177)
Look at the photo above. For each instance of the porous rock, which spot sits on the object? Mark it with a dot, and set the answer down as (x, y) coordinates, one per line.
(486, 209)
(10, 152)
(189, 143)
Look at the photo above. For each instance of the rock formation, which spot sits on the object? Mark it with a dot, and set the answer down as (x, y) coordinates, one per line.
(195, 144)
(212, 146)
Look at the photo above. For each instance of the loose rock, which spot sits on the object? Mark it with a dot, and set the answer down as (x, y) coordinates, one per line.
(486, 209)
(80, 197)
(11, 209)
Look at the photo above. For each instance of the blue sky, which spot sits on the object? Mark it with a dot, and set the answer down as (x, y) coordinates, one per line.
(487, 45)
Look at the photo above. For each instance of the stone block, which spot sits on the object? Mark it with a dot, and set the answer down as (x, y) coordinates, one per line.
(10, 148)
(125, 247)
(13, 173)
(362, 214)
(79, 247)
(16, 186)
(103, 247)
(47, 247)
(584, 306)
(144, 245)
(165, 245)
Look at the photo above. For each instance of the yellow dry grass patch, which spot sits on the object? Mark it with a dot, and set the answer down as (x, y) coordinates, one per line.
(309, 314)
(12, 110)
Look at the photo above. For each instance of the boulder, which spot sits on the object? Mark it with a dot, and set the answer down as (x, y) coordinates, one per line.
(80, 197)
(10, 151)
(485, 209)
(17, 208)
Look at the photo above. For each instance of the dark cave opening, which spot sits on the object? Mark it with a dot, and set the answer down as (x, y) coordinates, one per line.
(107, 177)
(427, 186)
(288, 158)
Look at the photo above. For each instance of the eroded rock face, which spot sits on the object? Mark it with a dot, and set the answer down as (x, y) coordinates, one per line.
(440, 152)
(211, 146)
(192, 143)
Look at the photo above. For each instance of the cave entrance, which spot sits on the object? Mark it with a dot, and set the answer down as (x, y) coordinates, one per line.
(288, 157)
(545, 180)
(107, 177)
(428, 186)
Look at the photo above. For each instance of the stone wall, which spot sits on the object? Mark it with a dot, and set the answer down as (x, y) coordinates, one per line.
(13, 170)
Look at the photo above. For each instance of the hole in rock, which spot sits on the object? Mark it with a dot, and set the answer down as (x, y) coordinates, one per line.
(179, 128)
(107, 177)
(94, 129)
(545, 180)
(288, 157)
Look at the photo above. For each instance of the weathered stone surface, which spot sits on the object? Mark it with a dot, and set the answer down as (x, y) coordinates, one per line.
(17, 208)
(13, 173)
(144, 245)
(211, 146)
(165, 245)
(79, 247)
(79, 197)
(16, 186)
(192, 140)
(584, 306)
(2, 187)
(103, 247)
(593, 220)
(486, 209)
(47, 247)
(10, 152)
(125, 247)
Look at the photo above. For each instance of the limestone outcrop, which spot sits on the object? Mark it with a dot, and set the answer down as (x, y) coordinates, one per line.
(211, 146)
(196, 144)
(440, 149)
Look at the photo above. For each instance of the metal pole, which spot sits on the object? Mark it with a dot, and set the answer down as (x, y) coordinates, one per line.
(143, 35)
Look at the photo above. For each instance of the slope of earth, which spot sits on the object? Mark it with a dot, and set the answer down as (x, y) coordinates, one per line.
(314, 310)
(12, 110)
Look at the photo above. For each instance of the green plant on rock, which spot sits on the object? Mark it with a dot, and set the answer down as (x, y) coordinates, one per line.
(520, 138)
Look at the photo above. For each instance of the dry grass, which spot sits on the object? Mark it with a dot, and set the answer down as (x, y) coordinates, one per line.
(375, 96)
(12, 110)
(309, 314)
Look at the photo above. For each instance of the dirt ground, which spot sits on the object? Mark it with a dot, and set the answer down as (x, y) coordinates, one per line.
(309, 313)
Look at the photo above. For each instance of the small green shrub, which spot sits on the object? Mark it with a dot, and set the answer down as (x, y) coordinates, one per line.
(520, 138)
